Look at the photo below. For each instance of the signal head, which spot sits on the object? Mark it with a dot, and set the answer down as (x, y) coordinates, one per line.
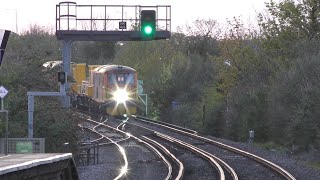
(148, 24)
(62, 77)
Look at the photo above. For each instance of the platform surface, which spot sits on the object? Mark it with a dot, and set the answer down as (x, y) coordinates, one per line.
(16, 162)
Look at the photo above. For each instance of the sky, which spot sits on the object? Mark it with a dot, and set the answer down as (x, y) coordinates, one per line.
(20, 14)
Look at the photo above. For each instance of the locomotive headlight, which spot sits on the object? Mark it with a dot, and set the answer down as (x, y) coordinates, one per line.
(121, 96)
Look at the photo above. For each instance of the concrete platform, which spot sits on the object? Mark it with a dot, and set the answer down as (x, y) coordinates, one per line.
(37, 165)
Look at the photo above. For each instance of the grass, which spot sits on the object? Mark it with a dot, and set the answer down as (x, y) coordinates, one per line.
(315, 165)
(271, 146)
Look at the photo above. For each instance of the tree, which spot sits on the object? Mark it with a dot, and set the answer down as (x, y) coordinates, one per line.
(294, 100)
(286, 24)
(291, 19)
(93, 52)
(22, 71)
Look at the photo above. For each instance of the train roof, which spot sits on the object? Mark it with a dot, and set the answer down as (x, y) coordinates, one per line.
(112, 67)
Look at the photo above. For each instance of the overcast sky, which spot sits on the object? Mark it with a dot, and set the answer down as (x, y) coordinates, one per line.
(42, 12)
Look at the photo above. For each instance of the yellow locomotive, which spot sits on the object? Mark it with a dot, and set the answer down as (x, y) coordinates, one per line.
(108, 89)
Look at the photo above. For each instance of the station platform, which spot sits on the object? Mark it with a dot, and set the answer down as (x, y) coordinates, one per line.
(37, 166)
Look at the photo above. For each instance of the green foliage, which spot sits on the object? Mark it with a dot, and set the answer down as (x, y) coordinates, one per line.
(295, 100)
(290, 33)
(93, 52)
(248, 112)
(287, 23)
(271, 146)
(291, 20)
(214, 112)
(186, 115)
(21, 72)
(54, 123)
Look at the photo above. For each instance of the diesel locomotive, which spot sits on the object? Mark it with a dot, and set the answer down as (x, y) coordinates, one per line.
(108, 89)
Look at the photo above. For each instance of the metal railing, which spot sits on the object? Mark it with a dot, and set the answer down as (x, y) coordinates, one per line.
(70, 16)
(23, 145)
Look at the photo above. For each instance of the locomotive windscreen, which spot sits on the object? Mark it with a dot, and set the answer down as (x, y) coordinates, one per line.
(121, 78)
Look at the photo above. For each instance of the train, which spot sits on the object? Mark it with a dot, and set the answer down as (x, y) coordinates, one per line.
(107, 89)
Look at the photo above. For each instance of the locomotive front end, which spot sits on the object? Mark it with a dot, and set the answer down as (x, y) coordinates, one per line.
(109, 89)
(122, 91)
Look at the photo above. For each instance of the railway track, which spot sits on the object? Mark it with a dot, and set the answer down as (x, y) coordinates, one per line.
(169, 154)
(121, 149)
(160, 135)
(218, 164)
(180, 168)
(281, 172)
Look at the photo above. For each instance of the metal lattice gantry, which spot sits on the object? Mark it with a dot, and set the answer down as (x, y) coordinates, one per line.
(107, 22)
(104, 23)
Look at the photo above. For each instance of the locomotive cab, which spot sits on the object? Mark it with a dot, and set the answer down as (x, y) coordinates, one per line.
(110, 89)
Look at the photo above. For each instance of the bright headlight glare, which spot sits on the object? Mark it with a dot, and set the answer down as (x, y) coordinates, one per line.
(121, 96)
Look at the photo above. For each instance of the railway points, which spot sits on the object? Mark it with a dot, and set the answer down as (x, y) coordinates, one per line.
(275, 168)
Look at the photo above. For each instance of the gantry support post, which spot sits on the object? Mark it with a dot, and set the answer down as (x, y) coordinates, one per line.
(66, 60)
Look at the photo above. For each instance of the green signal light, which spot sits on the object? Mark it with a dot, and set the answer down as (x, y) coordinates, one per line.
(148, 24)
(147, 29)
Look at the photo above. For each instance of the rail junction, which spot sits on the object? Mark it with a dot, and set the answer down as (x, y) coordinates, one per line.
(185, 154)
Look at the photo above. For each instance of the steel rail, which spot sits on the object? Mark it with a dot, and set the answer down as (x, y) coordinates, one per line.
(166, 162)
(97, 139)
(165, 123)
(122, 152)
(231, 171)
(168, 153)
(99, 124)
(224, 164)
(195, 150)
(265, 162)
(102, 137)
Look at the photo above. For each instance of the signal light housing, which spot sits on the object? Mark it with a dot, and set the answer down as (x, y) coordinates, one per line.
(148, 24)
(62, 77)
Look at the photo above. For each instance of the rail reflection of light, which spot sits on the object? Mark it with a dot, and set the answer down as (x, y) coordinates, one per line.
(95, 129)
(123, 122)
(128, 134)
(124, 168)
